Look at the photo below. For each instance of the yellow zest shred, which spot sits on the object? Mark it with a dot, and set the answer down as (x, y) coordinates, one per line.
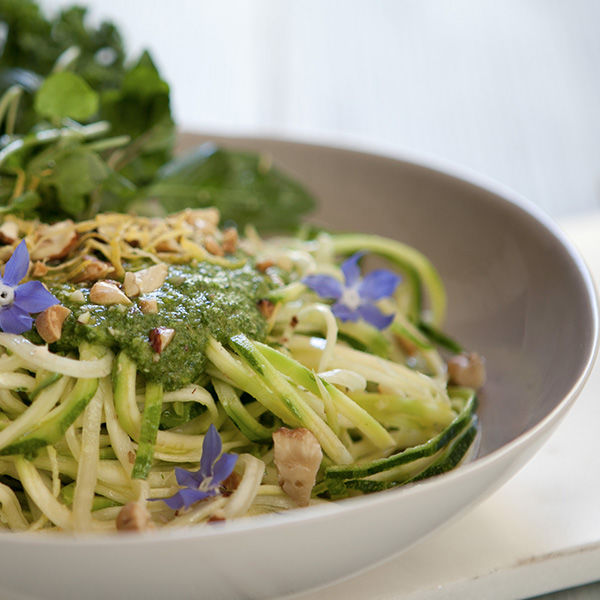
(118, 239)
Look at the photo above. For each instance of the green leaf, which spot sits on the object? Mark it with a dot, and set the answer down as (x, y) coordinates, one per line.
(140, 109)
(34, 42)
(23, 205)
(31, 43)
(66, 95)
(75, 181)
(245, 187)
(75, 176)
(143, 80)
(72, 204)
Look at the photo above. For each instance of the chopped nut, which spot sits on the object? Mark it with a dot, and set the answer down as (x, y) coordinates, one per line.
(148, 306)
(204, 219)
(9, 232)
(266, 308)
(134, 517)
(160, 338)
(144, 281)
(294, 322)
(54, 241)
(94, 270)
(213, 246)
(84, 318)
(77, 296)
(106, 293)
(169, 245)
(39, 269)
(50, 322)
(263, 265)
(216, 518)
(230, 240)
(467, 370)
(297, 456)
(230, 483)
(130, 285)
(131, 456)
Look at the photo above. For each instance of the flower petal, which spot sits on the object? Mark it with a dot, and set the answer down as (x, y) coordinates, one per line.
(33, 297)
(325, 285)
(371, 314)
(378, 284)
(15, 320)
(211, 448)
(223, 468)
(17, 265)
(351, 270)
(191, 496)
(187, 478)
(344, 313)
(186, 497)
(175, 501)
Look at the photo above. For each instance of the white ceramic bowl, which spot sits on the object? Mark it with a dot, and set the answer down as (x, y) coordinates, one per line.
(518, 293)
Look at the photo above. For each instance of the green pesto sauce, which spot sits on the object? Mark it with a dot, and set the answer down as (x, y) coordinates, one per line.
(197, 301)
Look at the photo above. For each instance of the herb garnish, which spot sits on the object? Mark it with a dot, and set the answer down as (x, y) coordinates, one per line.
(83, 130)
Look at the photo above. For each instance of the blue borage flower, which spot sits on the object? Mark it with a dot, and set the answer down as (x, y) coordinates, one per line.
(17, 302)
(356, 298)
(205, 482)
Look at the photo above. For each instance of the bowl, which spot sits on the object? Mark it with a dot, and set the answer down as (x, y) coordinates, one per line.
(518, 293)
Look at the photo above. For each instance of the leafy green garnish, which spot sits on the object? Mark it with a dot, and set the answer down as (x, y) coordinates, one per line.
(140, 109)
(87, 131)
(66, 96)
(245, 186)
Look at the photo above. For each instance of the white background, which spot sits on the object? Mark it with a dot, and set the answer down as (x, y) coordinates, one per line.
(509, 88)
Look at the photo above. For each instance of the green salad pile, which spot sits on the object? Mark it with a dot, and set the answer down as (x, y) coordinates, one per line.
(84, 129)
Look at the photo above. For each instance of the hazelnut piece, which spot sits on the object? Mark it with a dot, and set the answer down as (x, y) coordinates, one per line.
(213, 246)
(160, 338)
(106, 293)
(39, 269)
(54, 241)
(467, 370)
(230, 240)
(144, 281)
(148, 306)
(297, 456)
(266, 308)
(9, 232)
(93, 270)
(49, 323)
(134, 517)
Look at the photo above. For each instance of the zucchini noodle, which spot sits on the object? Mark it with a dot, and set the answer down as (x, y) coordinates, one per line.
(94, 427)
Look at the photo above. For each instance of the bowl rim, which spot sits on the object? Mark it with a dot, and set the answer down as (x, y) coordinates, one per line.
(436, 164)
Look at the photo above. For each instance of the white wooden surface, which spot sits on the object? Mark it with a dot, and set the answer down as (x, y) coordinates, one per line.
(509, 88)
